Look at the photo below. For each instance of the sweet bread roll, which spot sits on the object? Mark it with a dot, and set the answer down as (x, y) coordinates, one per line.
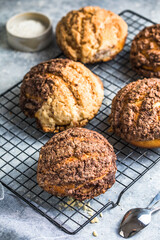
(77, 162)
(135, 113)
(91, 34)
(60, 94)
(145, 52)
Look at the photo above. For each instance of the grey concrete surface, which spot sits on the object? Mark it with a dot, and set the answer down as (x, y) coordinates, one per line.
(17, 220)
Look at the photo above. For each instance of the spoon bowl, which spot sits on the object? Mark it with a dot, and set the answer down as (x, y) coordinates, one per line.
(137, 218)
(134, 220)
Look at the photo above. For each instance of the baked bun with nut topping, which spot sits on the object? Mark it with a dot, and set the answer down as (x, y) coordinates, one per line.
(91, 34)
(145, 52)
(60, 94)
(135, 113)
(77, 162)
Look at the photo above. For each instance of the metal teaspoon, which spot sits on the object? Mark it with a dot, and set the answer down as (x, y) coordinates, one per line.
(137, 218)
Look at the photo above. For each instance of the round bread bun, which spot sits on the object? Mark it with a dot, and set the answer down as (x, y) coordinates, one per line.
(77, 162)
(60, 94)
(91, 34)
(135, 113)
(145, 52)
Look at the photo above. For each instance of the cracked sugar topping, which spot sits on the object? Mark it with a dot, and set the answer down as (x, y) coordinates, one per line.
(77, 162)
(61, 93)
(145, 52)
(91, 34)
(135, 114)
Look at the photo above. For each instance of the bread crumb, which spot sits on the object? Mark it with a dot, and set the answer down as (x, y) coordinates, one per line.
(79, 204)
(95, 220)
(101, 215)
(75, 203)
(70, 203)
(95, 234)
(90, 214)
(90, 210)
(87, 208)
(65, 205)
(84, 207)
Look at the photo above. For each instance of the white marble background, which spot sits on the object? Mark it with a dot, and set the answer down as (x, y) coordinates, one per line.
(17, 220)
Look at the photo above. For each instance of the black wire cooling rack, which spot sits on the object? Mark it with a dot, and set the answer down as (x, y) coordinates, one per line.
(21, 142)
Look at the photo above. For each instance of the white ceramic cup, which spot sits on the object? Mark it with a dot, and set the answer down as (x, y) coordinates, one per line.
(30, 44)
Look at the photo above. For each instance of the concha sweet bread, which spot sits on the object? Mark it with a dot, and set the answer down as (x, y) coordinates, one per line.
(135, 113)
(145, 52)
(77, 162)
(60, 94)
(91, 34)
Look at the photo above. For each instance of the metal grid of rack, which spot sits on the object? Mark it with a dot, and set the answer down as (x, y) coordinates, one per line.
(21, 141)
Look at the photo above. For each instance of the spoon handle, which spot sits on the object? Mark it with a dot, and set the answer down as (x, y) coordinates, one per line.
(155, 210)
(154, 201)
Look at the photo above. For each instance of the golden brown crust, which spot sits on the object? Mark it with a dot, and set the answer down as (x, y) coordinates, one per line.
(145, 52)
(77, 162)
(135, 113)
(147, 144)
(61, 93)
(91, 34)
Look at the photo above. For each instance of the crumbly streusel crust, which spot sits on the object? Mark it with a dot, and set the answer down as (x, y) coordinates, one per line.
(76, 162)
(135, 113)
(91, 34)
(60, 94)
(145, 52)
